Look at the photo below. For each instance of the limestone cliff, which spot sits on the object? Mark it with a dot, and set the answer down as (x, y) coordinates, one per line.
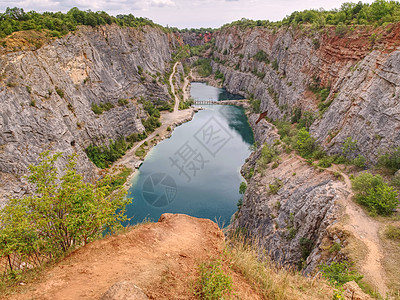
(362, 73)
(288, 209)
(46, 94)
(291, 209)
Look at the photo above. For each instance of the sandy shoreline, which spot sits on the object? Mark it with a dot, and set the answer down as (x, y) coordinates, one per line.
(169, 120)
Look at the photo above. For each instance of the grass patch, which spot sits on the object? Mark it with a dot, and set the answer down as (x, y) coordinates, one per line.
(213, 282)
(393, 232)
(270, 280)
(338, 273)
(141, 152)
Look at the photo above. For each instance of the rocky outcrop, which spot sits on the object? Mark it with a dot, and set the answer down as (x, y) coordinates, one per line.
(47, 94)
(124, 290)
(362, 73)
(288, 208)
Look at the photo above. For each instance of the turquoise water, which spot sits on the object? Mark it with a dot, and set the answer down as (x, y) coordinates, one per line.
(197, 170)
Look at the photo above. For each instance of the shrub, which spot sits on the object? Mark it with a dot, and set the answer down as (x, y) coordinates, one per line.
(28, 89)
(349, 148)
(276, 186)
(275, 65)
(390, 160)
(359, 161)
(213, 283)
(151, 124)
(392, 232)
(255, 104)
(305, 144)
(60, 92)
(102, 107)
(326, 162)
(262, 57)
(122, 102)
(62, 213)
(242, 187)
(268, 154)
(104, 156)
(203, 67)
(339, 273)
(239, 204)
(372, 192)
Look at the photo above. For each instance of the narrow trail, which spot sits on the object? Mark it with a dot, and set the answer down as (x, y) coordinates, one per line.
(171, 83)
(167, 119)
(365, 229)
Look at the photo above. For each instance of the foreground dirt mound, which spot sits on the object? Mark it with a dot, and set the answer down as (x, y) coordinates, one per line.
(159, 258)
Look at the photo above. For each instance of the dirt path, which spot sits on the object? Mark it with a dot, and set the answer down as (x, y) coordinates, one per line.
(168, 119)
(160, 258)
(365, 229)
(171, 77)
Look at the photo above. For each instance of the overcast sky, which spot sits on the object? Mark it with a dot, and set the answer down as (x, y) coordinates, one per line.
(183, 13)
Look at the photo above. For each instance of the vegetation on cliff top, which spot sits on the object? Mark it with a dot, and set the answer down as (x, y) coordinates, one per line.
(59, 24)
(380, 12)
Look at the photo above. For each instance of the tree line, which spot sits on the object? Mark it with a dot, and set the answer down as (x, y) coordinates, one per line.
(379, 12)
(59, 24)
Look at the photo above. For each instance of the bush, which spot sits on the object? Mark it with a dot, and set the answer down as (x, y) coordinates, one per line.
(63, 212)
(151, 124)
(268, 154)
(305, 144)
(359, 161)
(60, 92)
(102, 107)
(349, 148)
(262, 57)
(213, 283)
(104, 156)
(276, 186)
(338, 273)
(391, 160)
(255, 105)
(203, 67)
(372, 192)
(326, 162)
(275, 65)
(242, 187)
(122, 102)
(393, 232)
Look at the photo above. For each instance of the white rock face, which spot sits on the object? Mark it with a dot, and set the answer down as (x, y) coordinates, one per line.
(364, 82)
(46, 95)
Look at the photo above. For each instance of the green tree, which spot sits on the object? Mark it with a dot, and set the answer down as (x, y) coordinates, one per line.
(242, 188)
(305, 144)
(372, 192)
(64, 212)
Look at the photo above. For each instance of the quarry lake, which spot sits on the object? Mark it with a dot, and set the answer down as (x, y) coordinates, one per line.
(197, 170)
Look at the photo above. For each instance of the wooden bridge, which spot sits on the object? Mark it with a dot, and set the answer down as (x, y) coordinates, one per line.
(204, 102)
(242, 102)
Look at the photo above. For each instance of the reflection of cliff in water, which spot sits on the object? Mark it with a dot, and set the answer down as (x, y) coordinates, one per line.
(236, 119)
(203, 91)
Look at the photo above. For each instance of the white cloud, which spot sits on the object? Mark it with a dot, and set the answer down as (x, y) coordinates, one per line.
(162, 3)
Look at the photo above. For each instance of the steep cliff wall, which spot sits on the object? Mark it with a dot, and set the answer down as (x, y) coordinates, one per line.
(294, 220)
(361, 69)
(289, 209)
(46, 95)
